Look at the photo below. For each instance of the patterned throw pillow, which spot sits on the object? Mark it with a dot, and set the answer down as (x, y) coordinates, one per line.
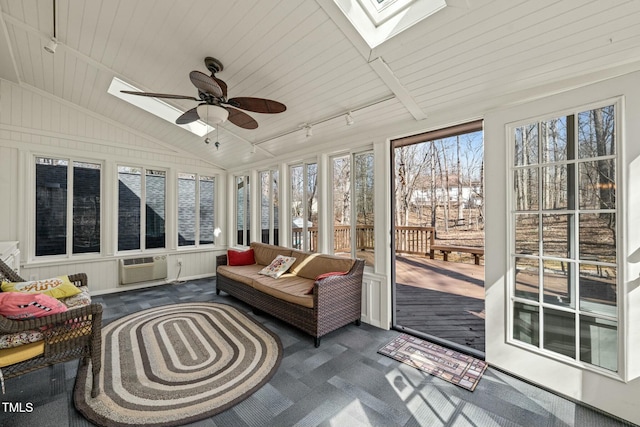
(20, 338)
(278, 266)
(78, 300)
(57, 287)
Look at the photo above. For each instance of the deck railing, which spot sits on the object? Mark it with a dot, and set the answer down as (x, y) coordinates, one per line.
(409, 240)
(414, 240)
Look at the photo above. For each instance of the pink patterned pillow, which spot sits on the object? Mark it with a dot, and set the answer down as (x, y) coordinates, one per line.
(19, 306)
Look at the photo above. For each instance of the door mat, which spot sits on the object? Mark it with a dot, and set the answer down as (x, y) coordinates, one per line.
(457, 368)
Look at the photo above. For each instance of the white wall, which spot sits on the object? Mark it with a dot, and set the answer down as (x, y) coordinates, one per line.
(33, 123)
(617, 396)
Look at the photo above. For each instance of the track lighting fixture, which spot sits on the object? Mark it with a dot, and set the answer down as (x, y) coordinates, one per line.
(309, 131)
(253, 149)
(53, 41)
(349, 118)
(52, 45)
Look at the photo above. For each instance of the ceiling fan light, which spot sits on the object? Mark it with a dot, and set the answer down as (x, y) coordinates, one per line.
(212, 114)
(52, 45)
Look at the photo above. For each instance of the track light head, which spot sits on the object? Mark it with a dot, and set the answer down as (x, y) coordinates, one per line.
(348, 118)
(52, 45)
(309, 131)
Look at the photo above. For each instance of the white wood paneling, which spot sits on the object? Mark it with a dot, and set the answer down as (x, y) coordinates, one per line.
(372, 305)
(8, 192)
(45, 125)
(298, 53)
(103, 273)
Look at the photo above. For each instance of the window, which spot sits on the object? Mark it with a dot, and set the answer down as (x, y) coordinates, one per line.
(207, 218)
(242, 195)
(269, 207)
(353, 217)
(58, 211)
(379, 20)
(564, 226)
(304, 207)
(196, 214)
(139, 189)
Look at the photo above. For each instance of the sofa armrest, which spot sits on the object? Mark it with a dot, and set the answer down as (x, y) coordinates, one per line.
(331, 290)
(78, 279)
(45, 323)
(221, 260)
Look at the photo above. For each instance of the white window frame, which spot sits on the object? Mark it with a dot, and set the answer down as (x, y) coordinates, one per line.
(69, 219)
(511, 236)
(272, 217)
(143, 216)
(197, 179)
(246, 209)
(305, 244)
(352, 187)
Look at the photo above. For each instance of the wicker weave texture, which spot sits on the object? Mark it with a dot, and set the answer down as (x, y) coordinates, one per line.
(337, 301)
(76, 333)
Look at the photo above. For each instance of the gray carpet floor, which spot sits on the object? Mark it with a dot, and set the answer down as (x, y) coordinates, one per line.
(345, 382)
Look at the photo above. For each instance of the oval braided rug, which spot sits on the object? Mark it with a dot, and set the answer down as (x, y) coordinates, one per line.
(171, 365)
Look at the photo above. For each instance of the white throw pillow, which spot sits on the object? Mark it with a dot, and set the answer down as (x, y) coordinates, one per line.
(278, 266)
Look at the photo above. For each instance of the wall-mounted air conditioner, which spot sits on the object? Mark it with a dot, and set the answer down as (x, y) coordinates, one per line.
(143, 269)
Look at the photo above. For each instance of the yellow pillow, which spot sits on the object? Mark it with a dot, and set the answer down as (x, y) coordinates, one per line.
(57, 287)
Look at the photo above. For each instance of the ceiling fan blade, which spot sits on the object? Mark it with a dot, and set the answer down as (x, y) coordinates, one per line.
(258, 105)
(188, 116)
(205, 83)
(160, 95)
(222, 85)
(241, 119)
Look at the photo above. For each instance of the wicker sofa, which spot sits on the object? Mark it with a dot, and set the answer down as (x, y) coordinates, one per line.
(315, 305)
(65, 336)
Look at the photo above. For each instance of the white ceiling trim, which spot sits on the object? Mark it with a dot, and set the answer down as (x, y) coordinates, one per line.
(392, 82)
(8, 67)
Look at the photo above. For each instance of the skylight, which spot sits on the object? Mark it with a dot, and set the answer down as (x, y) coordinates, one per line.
(379, 20)
(156, 107)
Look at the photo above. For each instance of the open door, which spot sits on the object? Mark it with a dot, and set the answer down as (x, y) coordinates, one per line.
(438, 254)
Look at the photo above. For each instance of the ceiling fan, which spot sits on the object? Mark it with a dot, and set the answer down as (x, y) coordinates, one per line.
(213, 91)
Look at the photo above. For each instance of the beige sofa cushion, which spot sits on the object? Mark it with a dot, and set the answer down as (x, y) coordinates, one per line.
(300, 257)
(288, 287)
(312, 265)
(264, 253)
(241, 273)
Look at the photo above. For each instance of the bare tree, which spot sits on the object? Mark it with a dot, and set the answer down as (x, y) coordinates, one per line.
(411, 162)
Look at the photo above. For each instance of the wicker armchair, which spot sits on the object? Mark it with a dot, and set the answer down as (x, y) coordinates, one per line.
(76, 333)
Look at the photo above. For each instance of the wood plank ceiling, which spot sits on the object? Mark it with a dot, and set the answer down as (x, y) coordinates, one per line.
(464, 58)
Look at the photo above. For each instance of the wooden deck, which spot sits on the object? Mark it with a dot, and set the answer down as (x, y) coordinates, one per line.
(444, 299)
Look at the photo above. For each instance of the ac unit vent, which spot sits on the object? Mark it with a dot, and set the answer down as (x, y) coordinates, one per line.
(137, 261)
(143, 269)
